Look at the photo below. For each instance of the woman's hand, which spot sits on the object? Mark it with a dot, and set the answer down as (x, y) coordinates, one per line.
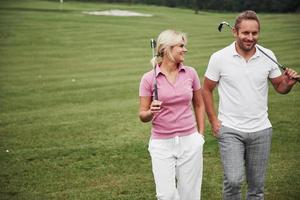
(155, 106)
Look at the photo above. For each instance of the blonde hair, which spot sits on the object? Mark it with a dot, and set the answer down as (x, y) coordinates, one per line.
(165, 41)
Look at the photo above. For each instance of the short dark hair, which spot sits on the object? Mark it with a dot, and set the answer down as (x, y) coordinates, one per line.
(246, 15)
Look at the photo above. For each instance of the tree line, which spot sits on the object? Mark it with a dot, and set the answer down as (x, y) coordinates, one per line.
(279, 6)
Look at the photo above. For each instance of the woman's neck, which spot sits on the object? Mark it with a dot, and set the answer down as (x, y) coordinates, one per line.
(169, 66)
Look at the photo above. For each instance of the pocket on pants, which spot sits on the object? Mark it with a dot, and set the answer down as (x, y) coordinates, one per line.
(150, 144)
(160, 148)
(221, 131)
(157, 145)
(202, 140)
(197, 140)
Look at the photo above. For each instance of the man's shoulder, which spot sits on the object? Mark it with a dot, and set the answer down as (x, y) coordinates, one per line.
(268, 51)
(228, 50)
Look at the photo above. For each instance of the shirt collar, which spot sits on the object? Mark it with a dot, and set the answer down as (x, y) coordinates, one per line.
(181, 67)
(235, 53)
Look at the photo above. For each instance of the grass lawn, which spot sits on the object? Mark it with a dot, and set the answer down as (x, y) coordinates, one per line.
(69, 82)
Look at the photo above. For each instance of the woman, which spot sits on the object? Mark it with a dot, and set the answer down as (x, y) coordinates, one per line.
(177, 138)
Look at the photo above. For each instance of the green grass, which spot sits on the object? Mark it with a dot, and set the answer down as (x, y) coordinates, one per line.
(69, 99)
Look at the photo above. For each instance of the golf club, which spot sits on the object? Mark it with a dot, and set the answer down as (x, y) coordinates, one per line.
(153, 46)
(220, 27)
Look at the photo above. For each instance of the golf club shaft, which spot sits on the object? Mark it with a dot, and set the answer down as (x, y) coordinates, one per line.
(277, 63)
(153, 45)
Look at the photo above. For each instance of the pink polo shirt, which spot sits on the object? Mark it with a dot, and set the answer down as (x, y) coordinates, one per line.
(176, 117)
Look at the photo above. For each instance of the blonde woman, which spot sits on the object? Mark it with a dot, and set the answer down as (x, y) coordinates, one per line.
(177, 135)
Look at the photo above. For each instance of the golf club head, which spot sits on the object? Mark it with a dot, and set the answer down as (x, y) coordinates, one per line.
(152, 43)
(220, 27)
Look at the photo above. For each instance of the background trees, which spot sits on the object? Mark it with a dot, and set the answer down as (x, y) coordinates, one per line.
(221, 5)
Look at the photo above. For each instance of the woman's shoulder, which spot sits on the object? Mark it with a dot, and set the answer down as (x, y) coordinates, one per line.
(189, 69)
(148, 75)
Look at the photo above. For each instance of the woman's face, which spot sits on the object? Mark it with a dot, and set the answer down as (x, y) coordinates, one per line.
(178, 51)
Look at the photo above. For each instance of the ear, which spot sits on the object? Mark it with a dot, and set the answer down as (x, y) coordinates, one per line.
(234, 32)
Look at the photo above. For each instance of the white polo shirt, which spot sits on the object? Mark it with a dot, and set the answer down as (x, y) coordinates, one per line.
(243, 87)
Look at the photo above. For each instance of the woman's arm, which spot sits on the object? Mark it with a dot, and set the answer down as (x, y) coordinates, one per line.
(199, 110)
(148, 108)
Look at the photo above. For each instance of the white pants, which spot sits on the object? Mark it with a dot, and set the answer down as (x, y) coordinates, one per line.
(177, 165)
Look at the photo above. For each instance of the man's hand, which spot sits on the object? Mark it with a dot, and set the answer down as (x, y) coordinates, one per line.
(216, 126)
(290, 76)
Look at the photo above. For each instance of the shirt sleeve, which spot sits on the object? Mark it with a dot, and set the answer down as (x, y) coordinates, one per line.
(145, 86)
(275, 71)
(196, 81)
(213, 69)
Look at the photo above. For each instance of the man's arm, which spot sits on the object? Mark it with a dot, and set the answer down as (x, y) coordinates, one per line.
(284, 83)
(208, 88)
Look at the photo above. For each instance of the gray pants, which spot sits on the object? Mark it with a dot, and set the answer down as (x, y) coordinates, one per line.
(244, 152)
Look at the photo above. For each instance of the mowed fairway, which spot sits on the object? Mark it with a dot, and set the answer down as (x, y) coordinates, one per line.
(69, 82)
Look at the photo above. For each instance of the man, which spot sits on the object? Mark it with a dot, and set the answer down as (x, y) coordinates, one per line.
(242, 127)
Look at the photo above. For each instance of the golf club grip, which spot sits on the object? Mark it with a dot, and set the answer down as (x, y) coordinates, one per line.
(298, 79)
(155, 92)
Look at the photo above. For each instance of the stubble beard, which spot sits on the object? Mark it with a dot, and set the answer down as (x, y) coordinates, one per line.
(246, 48)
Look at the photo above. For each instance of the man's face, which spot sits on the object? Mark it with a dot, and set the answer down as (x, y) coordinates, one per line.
(247, 35)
